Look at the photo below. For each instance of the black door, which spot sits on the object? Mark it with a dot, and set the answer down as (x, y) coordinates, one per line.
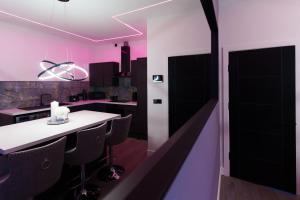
(262, 116)
(188, 88)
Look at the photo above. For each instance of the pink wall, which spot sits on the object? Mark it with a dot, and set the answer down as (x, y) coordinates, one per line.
(173, 34)
(23, 48)
(108, 52)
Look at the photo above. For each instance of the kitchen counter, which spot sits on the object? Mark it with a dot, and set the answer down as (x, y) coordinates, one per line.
(16, 137)
(17, 111)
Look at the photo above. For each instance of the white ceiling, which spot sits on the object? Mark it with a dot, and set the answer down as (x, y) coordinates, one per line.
(91, 19)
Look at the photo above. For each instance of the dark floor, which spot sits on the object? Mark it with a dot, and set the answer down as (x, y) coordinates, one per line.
(129, 154)
(235, 189)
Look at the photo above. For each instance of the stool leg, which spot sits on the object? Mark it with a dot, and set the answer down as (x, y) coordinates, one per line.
(110, 155)
(82, 191)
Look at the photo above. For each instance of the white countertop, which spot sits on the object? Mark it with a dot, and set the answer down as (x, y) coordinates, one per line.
(17, 111)
(23, 135)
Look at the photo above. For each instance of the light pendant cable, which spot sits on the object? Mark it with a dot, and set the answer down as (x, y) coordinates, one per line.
(63, 71)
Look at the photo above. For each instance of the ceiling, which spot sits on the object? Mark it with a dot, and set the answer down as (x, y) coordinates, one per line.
(92, 20)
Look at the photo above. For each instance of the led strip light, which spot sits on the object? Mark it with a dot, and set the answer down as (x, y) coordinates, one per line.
(115, 17)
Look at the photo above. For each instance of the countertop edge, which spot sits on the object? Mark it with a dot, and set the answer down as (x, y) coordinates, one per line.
(17, 111)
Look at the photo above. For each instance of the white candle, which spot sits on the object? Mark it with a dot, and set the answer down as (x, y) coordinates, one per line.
(54, 106)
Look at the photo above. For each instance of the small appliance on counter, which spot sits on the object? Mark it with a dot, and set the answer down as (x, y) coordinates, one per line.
(134, 96)
(83, 95)
(114, 98)
(96, 95)
(45, 99)
(73, 98)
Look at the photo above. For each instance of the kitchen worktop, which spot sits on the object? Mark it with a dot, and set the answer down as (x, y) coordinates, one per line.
(19, 136)
(18, 111)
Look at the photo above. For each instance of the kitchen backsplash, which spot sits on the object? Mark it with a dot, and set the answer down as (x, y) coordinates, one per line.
(14, 94)
(123, 93)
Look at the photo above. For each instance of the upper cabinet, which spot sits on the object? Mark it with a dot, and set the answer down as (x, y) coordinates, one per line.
(102, 74)
(139, 72)
(139, 80)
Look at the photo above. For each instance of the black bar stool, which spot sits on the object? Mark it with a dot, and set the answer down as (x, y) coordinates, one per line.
(89, 147)
(33, 171)
(118, 134)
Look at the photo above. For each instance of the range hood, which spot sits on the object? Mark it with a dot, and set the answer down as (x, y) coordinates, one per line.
(125, 60)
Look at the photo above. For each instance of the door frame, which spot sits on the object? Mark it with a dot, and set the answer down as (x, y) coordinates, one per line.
(224, 99)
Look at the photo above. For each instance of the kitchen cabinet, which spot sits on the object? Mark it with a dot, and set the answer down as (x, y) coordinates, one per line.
(136, 127)
(81, 107)
(134, 73)
(102, 74)
(97, 107)
(139, 80)
(6, 119)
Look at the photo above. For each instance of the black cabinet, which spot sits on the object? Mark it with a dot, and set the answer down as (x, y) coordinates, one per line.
(114, 108)
(102, 74)
(98, 107)
(6, 119)
(134, 73)
(124, 110)
(81, 107)
(139, 80)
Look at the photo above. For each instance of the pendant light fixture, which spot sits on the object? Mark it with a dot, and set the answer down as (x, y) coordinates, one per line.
(63, 71)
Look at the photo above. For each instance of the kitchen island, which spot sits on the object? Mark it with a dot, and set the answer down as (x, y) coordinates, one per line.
(138, 127)
(20, 136)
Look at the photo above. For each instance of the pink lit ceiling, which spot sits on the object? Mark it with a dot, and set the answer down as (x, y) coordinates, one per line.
(93, 20)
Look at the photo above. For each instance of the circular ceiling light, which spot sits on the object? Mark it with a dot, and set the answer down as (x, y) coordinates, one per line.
(63, 71)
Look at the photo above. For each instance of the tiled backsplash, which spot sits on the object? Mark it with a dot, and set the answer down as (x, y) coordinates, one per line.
(15, 94)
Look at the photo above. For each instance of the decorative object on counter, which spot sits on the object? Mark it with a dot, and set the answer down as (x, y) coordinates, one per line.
(59, 115)
(63, 71)
(73, 98)
(58, 122)
(54, 106)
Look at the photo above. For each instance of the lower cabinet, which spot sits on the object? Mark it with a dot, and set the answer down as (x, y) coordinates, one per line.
(6, 119)
(137, 127)
(80, 107)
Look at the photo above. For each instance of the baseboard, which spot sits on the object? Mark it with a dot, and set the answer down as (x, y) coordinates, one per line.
(221, 172)
(150, 152)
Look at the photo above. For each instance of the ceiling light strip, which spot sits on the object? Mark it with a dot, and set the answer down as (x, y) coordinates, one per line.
(143, 8)
(115, 17)
(45, 25)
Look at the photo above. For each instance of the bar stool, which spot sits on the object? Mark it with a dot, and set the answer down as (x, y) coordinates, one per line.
(33, 171)
(118, 134)
(89, 147)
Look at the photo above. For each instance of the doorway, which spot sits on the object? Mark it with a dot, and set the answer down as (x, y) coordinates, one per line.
(262, 116)
(188, 87)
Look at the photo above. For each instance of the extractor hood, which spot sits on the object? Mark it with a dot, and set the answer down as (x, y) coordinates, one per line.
(125, 60)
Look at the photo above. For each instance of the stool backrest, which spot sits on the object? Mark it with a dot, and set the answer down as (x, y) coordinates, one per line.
(120, 129)
(89, 147)
(33, 171)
